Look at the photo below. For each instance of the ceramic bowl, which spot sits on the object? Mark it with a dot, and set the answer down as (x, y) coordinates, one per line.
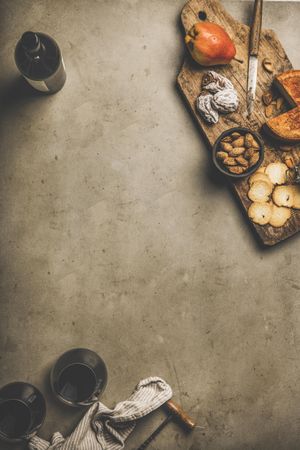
(221, 166)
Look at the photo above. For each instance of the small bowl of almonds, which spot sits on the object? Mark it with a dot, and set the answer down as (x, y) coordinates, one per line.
(238, 152)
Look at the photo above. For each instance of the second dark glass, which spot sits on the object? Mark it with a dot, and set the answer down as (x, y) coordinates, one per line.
(78, 377)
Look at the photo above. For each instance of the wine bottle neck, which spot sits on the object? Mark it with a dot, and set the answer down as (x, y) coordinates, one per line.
(31, 43)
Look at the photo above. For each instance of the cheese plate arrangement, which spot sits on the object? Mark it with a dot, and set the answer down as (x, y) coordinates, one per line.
(245, 96)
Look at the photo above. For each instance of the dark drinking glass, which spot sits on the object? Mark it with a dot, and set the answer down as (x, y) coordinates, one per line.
(15, 418)
(22, 411)
(78, 377)
(77, 383)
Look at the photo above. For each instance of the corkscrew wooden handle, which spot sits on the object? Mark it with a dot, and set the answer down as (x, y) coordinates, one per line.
(175, 411)
(180, 414)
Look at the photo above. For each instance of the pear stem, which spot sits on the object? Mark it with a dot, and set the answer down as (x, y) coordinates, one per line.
(238, 60)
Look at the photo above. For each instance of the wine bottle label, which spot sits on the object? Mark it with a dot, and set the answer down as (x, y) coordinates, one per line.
(57, 80)
(39, 85)
(52, 84)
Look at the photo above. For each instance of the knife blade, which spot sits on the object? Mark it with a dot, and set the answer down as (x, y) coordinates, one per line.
(252, 80)
(253, 55)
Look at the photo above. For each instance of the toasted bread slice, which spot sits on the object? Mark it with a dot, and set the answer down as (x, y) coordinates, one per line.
(288, 84)
(286, 127)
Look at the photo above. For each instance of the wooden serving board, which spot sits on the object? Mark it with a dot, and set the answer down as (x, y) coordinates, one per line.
(189, 81)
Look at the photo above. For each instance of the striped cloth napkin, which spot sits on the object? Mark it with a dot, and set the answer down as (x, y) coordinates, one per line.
(102, 428)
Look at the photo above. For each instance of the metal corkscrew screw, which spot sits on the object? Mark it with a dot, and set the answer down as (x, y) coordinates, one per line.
(293, 174)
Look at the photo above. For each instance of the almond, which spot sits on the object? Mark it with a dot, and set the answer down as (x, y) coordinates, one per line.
(269, 111)
(229, 161)
(239, 142)
(267, 65)
(236, 169)
(249, 140)
(254, 159)
(289, 162)
(227, 139)
(242, 161)
(279, 103)
(237, 151)
(249, 153)
(226, 146)
(296, 156)
(267, 98)
(222, 155)
(255, 144)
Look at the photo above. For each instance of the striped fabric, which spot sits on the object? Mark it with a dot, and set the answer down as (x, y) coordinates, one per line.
(107, 429)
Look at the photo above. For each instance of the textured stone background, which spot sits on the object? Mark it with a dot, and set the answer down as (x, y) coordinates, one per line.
(116, 234)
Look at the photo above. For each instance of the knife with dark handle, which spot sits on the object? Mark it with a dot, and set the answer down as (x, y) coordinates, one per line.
(253, 54)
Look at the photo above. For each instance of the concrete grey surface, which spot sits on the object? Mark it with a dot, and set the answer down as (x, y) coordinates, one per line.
(116, 235)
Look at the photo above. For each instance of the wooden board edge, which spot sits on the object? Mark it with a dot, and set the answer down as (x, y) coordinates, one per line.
(188, 14)
(187, 6)
(262, 239)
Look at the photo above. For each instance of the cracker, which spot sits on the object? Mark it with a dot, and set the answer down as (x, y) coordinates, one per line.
(260, 176)
(277, 172)
(296, 192)
(260, 191)
(261, 170)
(280, 215)
(283, 196)
(260, 213)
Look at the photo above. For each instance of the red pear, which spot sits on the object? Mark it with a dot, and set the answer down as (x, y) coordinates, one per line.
(209, 44)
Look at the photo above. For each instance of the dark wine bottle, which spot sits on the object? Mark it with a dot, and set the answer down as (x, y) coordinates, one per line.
(39, 59)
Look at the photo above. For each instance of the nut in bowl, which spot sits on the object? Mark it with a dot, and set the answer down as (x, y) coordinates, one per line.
(238, 152)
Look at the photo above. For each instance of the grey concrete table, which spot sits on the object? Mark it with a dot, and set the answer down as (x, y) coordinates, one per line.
(116, 234)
